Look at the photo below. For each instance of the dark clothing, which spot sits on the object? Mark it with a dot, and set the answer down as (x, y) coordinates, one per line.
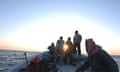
(78, 48)
(70, 47)
(77, 40)
(68, 53)
(52, 49)
(59, 46)
(40, 67)
(68, 59)
(100, 62)
(52, 52)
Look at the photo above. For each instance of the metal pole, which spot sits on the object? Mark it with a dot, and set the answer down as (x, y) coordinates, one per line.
(26, 57)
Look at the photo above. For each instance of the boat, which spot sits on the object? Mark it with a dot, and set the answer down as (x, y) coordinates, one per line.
(23, 66)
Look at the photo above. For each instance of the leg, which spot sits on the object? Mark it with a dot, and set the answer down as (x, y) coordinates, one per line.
(74, 49)
(79, 49)
(65, 59)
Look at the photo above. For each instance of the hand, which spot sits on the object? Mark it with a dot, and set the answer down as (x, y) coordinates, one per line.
(78, 71)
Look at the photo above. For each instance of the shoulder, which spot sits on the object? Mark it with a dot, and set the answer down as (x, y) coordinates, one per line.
(58, 41)
(49, 47)
(103, 54)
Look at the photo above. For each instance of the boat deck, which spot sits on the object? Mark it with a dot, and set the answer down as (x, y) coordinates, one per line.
(69, 68)
(65, 68)
(60, 68)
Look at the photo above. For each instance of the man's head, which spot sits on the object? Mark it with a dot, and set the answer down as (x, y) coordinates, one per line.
(90, 46)
(76, 32)
(52, 44)
(61, 37)
(69, 38)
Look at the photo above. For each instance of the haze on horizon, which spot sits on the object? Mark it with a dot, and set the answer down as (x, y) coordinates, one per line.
(33, 24)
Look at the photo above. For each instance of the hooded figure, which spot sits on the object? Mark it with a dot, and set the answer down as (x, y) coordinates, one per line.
(98, 59)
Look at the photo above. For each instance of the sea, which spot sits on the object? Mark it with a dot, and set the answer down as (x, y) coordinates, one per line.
(9, 58)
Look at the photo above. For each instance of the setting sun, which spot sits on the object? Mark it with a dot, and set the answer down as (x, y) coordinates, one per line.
(65, 47)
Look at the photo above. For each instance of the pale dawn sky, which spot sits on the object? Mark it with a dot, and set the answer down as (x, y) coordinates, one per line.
(34, 24)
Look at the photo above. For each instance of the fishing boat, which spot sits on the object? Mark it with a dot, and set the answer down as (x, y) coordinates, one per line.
(47, 62)
(25, 65)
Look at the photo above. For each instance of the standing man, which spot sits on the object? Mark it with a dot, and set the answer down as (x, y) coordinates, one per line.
(76, 41)
(59, 46)
(68, 52)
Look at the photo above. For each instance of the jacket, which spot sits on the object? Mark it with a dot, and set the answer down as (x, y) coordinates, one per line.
(100, 62)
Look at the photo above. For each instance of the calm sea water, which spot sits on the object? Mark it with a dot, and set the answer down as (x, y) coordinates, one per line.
(10, 58)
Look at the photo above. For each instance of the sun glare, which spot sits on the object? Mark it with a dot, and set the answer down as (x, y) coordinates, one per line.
(65, 47)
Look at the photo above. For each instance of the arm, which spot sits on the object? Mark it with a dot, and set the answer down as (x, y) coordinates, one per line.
(80, 37)
(48, 47)
(84, 66)
(73, 39)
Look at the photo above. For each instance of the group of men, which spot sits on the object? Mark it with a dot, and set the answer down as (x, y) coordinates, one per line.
(65, 49)
(98, 59)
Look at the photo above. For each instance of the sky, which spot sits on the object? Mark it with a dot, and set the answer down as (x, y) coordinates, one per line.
(33, 24)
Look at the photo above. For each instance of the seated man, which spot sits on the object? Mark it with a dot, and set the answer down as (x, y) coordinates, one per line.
(35, 61)
(98, 59)
(52, 51)
(38, 65)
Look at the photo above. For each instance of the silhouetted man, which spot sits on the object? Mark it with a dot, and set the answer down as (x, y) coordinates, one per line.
(76, 41)
(59, 47)
(68, 52)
